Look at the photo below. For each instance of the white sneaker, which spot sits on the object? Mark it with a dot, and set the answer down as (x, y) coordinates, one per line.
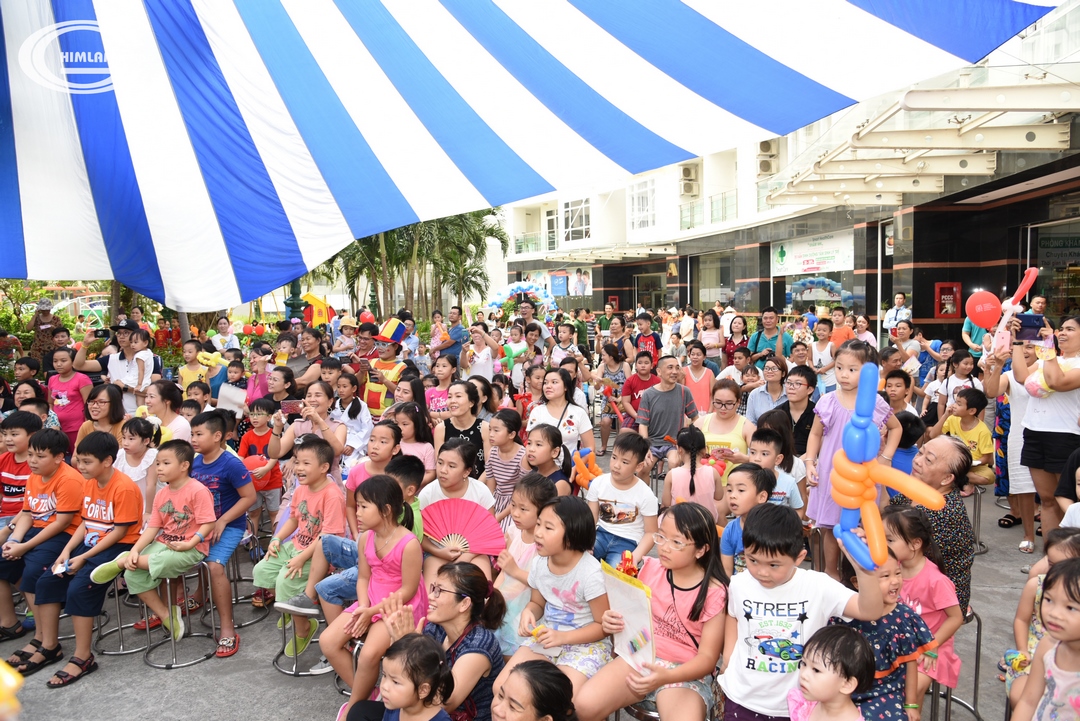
(323, 666)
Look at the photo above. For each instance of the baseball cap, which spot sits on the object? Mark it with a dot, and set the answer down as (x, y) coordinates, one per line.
(125, 324)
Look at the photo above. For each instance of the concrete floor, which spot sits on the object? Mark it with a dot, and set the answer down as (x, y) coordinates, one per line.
(247, 685)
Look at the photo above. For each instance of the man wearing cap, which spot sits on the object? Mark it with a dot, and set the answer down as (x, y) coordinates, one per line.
(386, 370)
(116, 364)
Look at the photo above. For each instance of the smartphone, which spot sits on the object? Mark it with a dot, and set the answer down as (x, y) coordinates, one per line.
(101, 333)
(892, 331)
(1030, 325)
(290, 408)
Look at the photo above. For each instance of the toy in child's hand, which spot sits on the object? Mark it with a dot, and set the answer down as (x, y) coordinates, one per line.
(1017, 660)
(586, 467)
(612, 403)
(626, 565)
(511, 354)
(856, 473)
(536, 630)
(1002, 336)
(211, 359)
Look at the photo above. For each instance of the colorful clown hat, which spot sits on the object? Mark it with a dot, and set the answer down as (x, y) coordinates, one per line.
(392, 331)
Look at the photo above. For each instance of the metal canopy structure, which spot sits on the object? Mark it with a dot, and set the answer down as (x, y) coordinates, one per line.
(205, 151)
(877, 166)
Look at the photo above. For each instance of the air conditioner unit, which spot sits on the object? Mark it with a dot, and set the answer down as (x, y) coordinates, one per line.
(689, 172)
(767, 166)
(688, 189)
(769, 148)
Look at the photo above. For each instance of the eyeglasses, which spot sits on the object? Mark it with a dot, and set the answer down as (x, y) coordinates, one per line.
(381, 345)
(434, 591)
(771, 369)
(725, 404)
(258, 415)
(98, 402)
(661, 540)
(793, 385)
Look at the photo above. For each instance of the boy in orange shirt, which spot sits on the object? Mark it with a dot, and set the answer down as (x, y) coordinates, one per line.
(174, 539)
(111, 520)
(841, 332)
(52, 511)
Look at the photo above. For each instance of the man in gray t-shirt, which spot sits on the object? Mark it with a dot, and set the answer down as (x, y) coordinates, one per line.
(662, 410)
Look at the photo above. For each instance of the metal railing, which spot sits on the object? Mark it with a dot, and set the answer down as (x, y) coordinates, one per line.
(692, 215)
(724, 206)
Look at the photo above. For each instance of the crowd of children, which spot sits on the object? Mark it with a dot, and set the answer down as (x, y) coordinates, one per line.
(341, 463)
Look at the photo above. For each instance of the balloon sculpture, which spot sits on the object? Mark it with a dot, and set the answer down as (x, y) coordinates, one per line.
(856, 473)
(166, 432)
(511, 354)
(587, 469)
(612, 402)
(211, 359)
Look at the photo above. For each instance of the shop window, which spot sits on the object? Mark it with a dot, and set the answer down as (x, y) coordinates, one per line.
(576, 220)
(641, 204)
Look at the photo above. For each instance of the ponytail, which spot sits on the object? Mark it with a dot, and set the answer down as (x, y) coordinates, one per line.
(424, 661)
(488, 604)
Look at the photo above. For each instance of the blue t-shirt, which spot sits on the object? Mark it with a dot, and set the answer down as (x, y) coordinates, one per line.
(458, 333)
(759, 342)
(811, 319)
(223, 477)
(731, 542)
(482, 641)
(976, 334)
(395, 715)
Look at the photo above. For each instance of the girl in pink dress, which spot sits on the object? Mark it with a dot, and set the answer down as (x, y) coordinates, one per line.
(832, 413)
(68, 391)
(695, 479)
(926, 590)
(391, 561)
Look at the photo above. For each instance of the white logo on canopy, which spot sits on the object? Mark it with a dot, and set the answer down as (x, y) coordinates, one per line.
(42, 59)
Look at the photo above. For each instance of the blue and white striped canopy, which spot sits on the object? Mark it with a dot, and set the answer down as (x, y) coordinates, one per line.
(206, 151)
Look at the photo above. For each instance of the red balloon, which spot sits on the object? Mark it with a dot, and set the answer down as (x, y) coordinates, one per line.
(983, 308)
(260, 329)
(254, 462)
(78, 345)
(247, 329)
(367, 317)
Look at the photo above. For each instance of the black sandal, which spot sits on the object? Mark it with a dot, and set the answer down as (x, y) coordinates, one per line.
(1008, 521)
(22, 655)
(10, 633)
(66, 679)
(49, 657)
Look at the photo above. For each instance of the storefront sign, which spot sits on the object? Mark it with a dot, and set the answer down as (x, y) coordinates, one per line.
(825, 253)
(1059, 250)
(946, 300)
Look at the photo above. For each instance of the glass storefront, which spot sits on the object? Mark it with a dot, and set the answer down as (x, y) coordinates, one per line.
(815, 273)
(650, 290)
(1055, 250)
(711, 279)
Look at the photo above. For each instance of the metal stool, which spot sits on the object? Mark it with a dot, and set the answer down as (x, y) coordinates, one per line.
(343, 688)
(236, 577)
(817, 549)
(1002, 502)
(976, 521)
(201, 571)
(280, 660)
(935, 689)
(124, 648)
(643, 711)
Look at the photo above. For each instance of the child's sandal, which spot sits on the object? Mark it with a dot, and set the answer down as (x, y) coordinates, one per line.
(10, 633)
(49, 656)
(22, 656)
(66, 679)
(227, 646)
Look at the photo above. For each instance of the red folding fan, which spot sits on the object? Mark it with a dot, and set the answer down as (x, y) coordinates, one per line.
(464, 524)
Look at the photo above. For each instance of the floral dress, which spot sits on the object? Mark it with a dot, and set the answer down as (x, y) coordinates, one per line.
(897, 637)
(43, 342)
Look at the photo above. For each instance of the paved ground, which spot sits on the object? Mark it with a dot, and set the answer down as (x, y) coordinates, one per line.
(247, 686)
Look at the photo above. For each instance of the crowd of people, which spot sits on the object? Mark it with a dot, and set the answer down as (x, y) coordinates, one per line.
(720, 442)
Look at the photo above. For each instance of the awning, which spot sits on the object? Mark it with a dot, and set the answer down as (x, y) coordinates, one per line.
(206, 151)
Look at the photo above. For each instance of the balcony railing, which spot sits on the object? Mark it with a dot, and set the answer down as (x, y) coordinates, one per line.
(537, 242)
(692, 215)
(724, 206)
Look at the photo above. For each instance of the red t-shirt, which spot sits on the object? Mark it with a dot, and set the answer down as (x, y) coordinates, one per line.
(252, 444)
(634, 387)
(13, 476)
(119, 502)
(161, 337)
(62, 494)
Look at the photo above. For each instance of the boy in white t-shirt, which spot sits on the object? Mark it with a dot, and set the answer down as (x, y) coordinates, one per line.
(774, 608)
(623, 505)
